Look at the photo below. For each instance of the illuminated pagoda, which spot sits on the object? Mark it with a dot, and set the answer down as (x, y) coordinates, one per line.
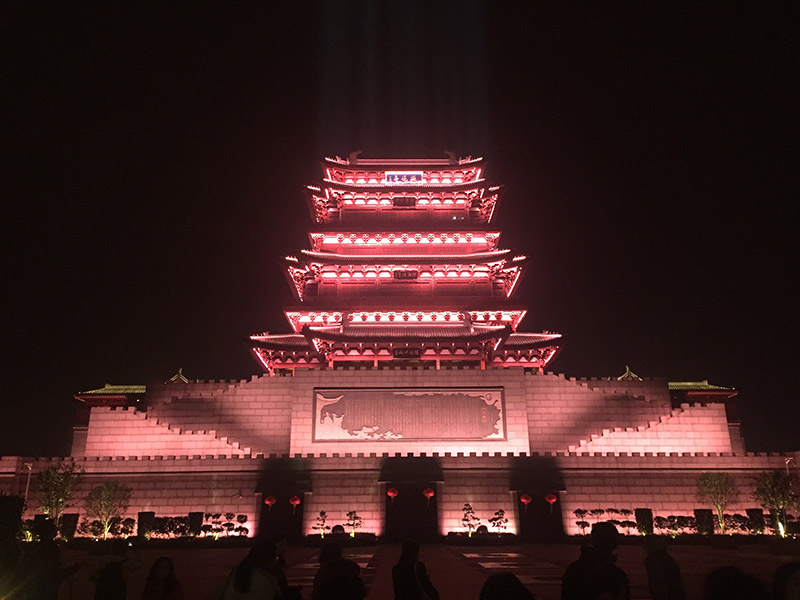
(404, 265)
(393, 393)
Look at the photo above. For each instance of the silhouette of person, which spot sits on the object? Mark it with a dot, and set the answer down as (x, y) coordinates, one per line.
(786, 582)
(161, 583)
(731, 583)
(113, 574)
(337, 578)
(594, 575)
(329, 553)
(256, 577)
(663, 572)
(410, 577)
(505, 586)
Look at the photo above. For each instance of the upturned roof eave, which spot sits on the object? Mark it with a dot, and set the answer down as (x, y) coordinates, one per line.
(379, 164)
(477, 184)
(354, 337)
(467, 258)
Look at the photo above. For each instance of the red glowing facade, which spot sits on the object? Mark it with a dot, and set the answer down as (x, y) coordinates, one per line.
(405, 272)
(404, 265)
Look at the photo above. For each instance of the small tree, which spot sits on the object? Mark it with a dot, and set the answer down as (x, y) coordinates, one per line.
(499, 521)
(720, 491)
(777, 491)
(56, 485)
(628, 525)
(597, 513)
(470, 519)
(583, 525)
(107, 502)
(581, 522)
(320, 526)
(354, 522)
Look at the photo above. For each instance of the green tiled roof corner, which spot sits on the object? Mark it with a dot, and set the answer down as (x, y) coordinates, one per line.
(693, 386)
(118, 389)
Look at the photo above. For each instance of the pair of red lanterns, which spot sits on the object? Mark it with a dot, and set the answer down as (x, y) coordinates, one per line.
(549, 498)
(294, 501)
(427, 492)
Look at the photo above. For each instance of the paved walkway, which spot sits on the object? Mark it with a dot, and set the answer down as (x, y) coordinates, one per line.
(458, 572)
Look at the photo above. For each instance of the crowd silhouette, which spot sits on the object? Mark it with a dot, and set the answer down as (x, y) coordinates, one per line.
(38, 574)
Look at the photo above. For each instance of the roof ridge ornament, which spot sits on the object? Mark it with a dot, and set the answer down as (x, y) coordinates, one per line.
(628, 374)
(179, 377)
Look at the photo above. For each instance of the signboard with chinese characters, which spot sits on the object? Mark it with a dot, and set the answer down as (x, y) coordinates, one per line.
(403, 177)
(436, 414)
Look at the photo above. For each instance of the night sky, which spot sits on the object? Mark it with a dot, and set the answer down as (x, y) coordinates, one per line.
(155, 156)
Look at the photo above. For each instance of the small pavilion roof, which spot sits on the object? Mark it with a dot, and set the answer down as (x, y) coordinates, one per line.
(361, 259)
(109, 389)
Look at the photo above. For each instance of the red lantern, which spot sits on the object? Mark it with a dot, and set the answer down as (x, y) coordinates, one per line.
(525, 499)
(551, 499)
(295, 502)
(269, 501)
(428, 493)
(392, 493)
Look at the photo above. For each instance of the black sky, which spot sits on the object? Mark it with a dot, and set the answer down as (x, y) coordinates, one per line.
(154, 159)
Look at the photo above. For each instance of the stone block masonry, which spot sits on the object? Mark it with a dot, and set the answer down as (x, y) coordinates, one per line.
(205, 447)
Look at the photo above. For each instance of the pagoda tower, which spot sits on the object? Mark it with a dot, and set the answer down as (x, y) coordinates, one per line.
(406, 266)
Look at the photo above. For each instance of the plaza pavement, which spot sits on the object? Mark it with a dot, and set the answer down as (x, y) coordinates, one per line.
(458, 572)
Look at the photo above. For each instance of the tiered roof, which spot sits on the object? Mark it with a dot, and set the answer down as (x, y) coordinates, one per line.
(405, 267)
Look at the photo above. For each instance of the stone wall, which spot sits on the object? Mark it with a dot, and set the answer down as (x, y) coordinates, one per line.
(126, 432)
(543, 413)
(205, 446)
(174, 486)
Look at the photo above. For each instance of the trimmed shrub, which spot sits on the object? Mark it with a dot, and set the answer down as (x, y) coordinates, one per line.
(167, 527)
(69, 524)
(704, 519)
(145, 523)
(644, 520)
(10, 516)
(755, 520)
(687, 525)
(195, 523)
(736, 523)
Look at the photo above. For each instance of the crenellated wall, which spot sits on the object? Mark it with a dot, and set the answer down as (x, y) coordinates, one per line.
(205, 446)
(126, 432)
(687, 429)
(178, 485)
(543, 413)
